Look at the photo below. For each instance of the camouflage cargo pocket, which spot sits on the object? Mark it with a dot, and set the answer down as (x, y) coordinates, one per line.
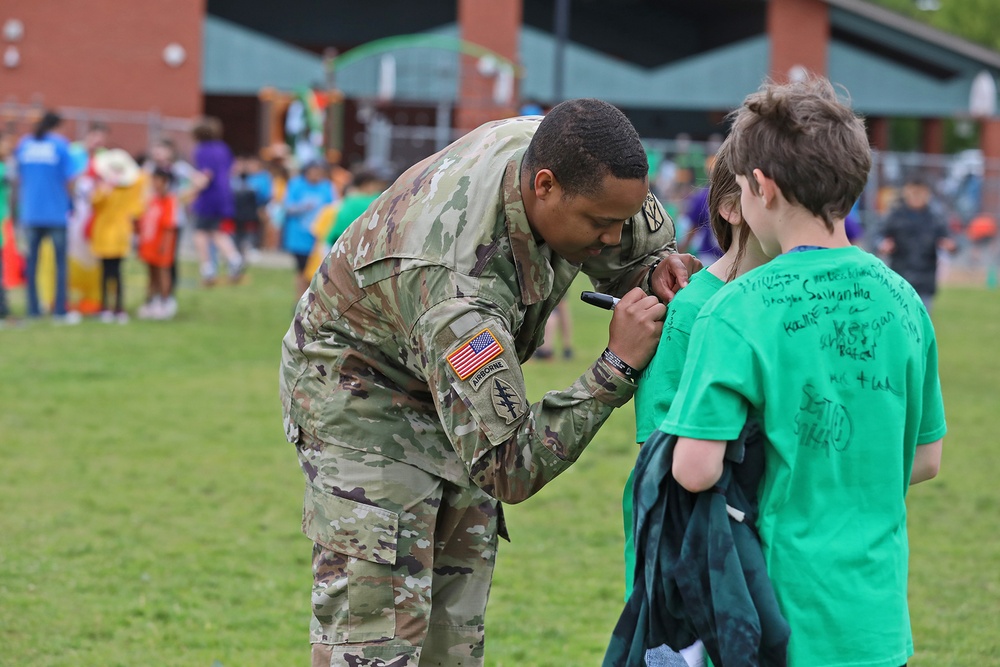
(352, 569)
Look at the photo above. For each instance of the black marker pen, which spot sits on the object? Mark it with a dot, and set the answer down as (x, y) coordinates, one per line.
(605, 301)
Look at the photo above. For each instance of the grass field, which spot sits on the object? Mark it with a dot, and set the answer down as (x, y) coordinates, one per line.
(149, 505)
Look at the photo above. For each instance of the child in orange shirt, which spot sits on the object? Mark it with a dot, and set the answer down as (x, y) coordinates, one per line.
(157, 229)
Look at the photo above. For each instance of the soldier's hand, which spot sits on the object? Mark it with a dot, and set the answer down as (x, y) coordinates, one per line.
(635, 328)
(672, 274)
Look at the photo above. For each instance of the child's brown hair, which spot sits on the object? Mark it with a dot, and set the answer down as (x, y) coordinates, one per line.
(806, 140)
(724, 195)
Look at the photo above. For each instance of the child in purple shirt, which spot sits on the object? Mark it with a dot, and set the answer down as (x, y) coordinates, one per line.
(214, 202)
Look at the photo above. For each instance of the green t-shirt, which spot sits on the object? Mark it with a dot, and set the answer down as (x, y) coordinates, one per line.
(658, 385)
(835, 354)
(658, 382)
(350, 210)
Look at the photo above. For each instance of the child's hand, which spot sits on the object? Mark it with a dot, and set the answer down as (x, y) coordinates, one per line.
(635, 328)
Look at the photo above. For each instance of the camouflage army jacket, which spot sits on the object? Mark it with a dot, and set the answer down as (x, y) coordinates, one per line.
(408, 343)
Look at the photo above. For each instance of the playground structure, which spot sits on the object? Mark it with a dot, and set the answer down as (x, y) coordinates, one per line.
(387, 103)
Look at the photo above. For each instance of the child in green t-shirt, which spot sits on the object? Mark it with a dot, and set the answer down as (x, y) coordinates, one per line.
(365, 189)
(658, 382)
(835, 356)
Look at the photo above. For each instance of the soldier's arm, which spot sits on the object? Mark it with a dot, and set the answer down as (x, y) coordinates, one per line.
(510, 447)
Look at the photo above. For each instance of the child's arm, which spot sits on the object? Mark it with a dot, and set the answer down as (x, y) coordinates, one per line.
(100, 194)
(927, 458)
(944, 241)
(698, 463)
(926, 462)
(886, 243)
(717, 390)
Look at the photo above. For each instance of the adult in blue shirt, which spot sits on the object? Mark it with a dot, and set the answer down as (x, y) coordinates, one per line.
(307, 194)
(45, 173)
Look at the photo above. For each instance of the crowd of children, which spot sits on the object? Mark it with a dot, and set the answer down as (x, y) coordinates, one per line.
(100, 205)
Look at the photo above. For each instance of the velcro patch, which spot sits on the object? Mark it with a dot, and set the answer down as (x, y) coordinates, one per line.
(474, 354)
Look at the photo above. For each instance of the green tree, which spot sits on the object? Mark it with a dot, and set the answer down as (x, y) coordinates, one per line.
(974, 20)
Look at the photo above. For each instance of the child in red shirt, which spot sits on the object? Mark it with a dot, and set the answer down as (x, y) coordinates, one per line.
(157, 228)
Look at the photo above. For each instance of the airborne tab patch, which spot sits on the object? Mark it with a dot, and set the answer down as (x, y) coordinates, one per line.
(474, 354)
(495, 366)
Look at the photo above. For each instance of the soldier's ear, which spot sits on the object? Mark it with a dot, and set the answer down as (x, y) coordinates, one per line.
(545, 184)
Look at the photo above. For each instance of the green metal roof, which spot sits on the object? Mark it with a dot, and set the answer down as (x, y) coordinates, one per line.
(894, 66)
(888, 66)
(881, 87)
(717, 79)
(239, 61)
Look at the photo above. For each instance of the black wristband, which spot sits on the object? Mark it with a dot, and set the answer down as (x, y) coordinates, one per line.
(649, 276)
(615, 362)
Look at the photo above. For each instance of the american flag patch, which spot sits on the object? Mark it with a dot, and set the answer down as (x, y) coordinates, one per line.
(474, 354)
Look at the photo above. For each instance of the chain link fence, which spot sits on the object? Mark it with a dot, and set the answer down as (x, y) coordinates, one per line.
(965, 187)
(135, 131)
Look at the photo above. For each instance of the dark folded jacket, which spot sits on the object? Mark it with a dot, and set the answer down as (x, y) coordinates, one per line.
(700, 572)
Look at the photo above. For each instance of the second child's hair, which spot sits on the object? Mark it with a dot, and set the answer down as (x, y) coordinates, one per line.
(806, 140)
(724, 194)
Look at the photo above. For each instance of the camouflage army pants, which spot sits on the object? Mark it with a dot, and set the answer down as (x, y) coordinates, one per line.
(402, 561)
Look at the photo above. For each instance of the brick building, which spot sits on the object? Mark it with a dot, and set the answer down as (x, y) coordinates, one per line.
(672, 65)
(103, 60)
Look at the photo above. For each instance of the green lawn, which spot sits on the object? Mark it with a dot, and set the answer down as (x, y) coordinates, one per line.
(149, 505)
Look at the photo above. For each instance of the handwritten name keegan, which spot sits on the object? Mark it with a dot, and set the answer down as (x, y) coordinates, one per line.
(838, 307)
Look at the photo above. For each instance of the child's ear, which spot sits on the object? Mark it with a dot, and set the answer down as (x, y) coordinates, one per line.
(732, 213)
(768, 189)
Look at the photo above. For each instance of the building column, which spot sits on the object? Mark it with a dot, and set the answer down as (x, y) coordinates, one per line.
(878, 132)
(496, 25)
(799, 33)
(932, 135)
(989, 142)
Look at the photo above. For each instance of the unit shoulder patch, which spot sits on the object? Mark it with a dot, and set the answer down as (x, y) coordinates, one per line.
(506, 401)
(653, 213)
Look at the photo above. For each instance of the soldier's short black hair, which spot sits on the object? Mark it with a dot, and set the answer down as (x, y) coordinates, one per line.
(582, 141)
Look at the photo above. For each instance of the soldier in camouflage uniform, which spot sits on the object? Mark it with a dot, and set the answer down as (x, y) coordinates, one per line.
(401, 381)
